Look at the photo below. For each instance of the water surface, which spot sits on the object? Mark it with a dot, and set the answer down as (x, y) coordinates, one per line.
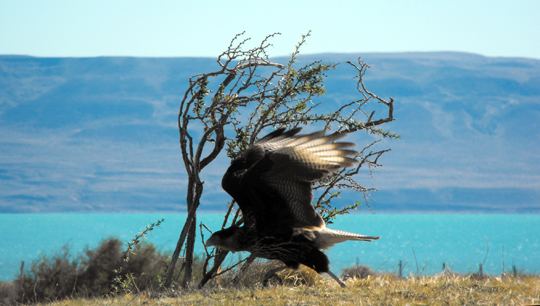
(422, 242)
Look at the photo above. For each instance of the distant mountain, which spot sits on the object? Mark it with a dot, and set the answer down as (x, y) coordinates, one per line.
(100, 134)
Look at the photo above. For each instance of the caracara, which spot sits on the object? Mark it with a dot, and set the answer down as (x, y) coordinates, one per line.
(271, 182)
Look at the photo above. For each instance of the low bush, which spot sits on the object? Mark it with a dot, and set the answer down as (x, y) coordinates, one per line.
(253, 276)
(359, 271)
(96, 273)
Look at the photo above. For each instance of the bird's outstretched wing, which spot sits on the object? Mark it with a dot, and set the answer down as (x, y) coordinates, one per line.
(271, 181)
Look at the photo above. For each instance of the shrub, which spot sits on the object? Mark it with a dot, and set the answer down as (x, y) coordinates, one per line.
(8, 293)
(358, 271)
(253, 276)
(48, 279)
(58, 277)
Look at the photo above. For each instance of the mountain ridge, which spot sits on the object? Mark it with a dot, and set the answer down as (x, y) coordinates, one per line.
(469, 127)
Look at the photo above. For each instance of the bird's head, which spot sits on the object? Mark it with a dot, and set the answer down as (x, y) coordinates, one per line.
(225, 239)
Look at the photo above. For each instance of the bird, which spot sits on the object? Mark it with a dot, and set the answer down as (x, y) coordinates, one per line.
(271, 181)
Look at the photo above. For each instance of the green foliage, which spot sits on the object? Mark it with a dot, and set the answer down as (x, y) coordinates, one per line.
(124, 279)
(330, 213)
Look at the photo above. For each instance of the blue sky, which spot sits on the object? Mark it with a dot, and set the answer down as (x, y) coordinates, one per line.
(204, 28)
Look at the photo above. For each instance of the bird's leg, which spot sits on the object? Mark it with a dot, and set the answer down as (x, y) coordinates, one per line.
(342, 284)
(272, 273)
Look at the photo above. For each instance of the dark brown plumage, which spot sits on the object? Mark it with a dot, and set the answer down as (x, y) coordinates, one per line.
(271, 182)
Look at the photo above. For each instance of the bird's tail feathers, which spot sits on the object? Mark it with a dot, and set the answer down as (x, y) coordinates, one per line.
(329, 237)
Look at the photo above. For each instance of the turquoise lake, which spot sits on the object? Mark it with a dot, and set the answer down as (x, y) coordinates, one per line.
(423, 242)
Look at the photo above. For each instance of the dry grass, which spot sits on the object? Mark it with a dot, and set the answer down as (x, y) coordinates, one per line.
(256, 272)
(379, 290)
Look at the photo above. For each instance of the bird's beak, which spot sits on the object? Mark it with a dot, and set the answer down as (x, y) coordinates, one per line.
(216, 241)
(212, 241)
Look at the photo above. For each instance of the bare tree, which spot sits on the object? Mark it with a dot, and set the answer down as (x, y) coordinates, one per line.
(273, 95)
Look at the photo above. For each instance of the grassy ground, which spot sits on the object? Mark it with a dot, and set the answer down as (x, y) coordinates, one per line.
(379, 290)
(62, 281)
